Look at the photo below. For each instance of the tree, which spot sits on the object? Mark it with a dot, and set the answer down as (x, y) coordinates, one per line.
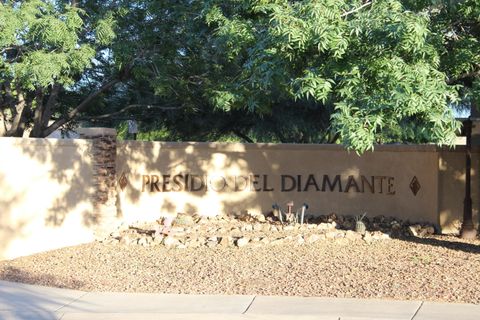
(45, 49)
(169, 91)
(459, 23)
(374, 64)
(355, 72)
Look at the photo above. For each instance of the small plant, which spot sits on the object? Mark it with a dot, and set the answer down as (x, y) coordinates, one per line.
(183, 219)
(302, 216)
(360, 226)
(290, 217)
(277, 212)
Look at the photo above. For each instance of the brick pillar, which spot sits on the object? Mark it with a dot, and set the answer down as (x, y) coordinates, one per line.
(104, 152)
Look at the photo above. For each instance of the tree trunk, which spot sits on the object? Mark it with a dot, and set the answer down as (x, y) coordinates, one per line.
(3, 106)
(52, 101)
(38, 115)
(44, 112)
(18, 124)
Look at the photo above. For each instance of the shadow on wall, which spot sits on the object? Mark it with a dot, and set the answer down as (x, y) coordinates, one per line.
(46, 190)
(150, 170)
(200, 178)
(8, 228)
(167, 178)
(451, 191)
(47, 185)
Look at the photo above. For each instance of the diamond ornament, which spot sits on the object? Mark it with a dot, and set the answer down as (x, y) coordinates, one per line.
(415, 186)
(123, 181)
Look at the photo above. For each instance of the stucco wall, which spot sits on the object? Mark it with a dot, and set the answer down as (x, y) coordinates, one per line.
(451, 192)
(47, 186)
(45, 195)
(394, 165)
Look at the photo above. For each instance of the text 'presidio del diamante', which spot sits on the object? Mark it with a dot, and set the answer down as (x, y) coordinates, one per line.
(266, 183)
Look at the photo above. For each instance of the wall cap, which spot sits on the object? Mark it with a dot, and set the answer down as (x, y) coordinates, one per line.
(242, 147)
(94, 132)
(44, 142)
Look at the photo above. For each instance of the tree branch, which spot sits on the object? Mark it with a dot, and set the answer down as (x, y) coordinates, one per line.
(239, 134)
(82, 106)
(13, 47)
(131, 106)
(471, 74)
(357, 9)
(334, 138)
(9, 99)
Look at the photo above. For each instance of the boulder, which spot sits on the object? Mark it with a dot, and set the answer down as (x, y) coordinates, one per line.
(242, 242)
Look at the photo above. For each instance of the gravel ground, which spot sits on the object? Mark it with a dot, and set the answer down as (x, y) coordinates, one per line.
(437, 269)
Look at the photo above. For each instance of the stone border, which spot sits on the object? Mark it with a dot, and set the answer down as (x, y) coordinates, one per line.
(248, 230)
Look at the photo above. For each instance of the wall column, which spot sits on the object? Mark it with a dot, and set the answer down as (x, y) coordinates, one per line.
(104, 149)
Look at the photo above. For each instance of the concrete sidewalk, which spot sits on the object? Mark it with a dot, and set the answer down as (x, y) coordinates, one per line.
(21, 301)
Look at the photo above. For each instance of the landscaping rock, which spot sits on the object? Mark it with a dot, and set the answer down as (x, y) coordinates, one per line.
(265, 240)
(326, 226)
(210, 231)
(352, 235)
(143, 241)
(260, 218)
(414, 229)
(314, 238)
(213, 239)
(242, 242)
(418, 230)
(331, 235)
(367, 237)
(257, 227)
(378, 235)
(226, 241)
(171, 242)
(278, 241)
(211, 244)
(299, 239)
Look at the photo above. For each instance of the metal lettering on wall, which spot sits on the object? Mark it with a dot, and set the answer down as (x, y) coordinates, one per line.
(266, 183)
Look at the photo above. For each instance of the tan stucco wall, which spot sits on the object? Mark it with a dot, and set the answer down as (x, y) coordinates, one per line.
(401, 163)
(45, 195)
(47, 185)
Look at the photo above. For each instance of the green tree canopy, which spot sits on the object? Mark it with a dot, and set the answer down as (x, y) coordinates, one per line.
(355, 72)
(45, 49)
(375, 65)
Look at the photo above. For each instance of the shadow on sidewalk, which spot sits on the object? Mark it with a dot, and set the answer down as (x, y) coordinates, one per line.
(21, 301)
(13, 274)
